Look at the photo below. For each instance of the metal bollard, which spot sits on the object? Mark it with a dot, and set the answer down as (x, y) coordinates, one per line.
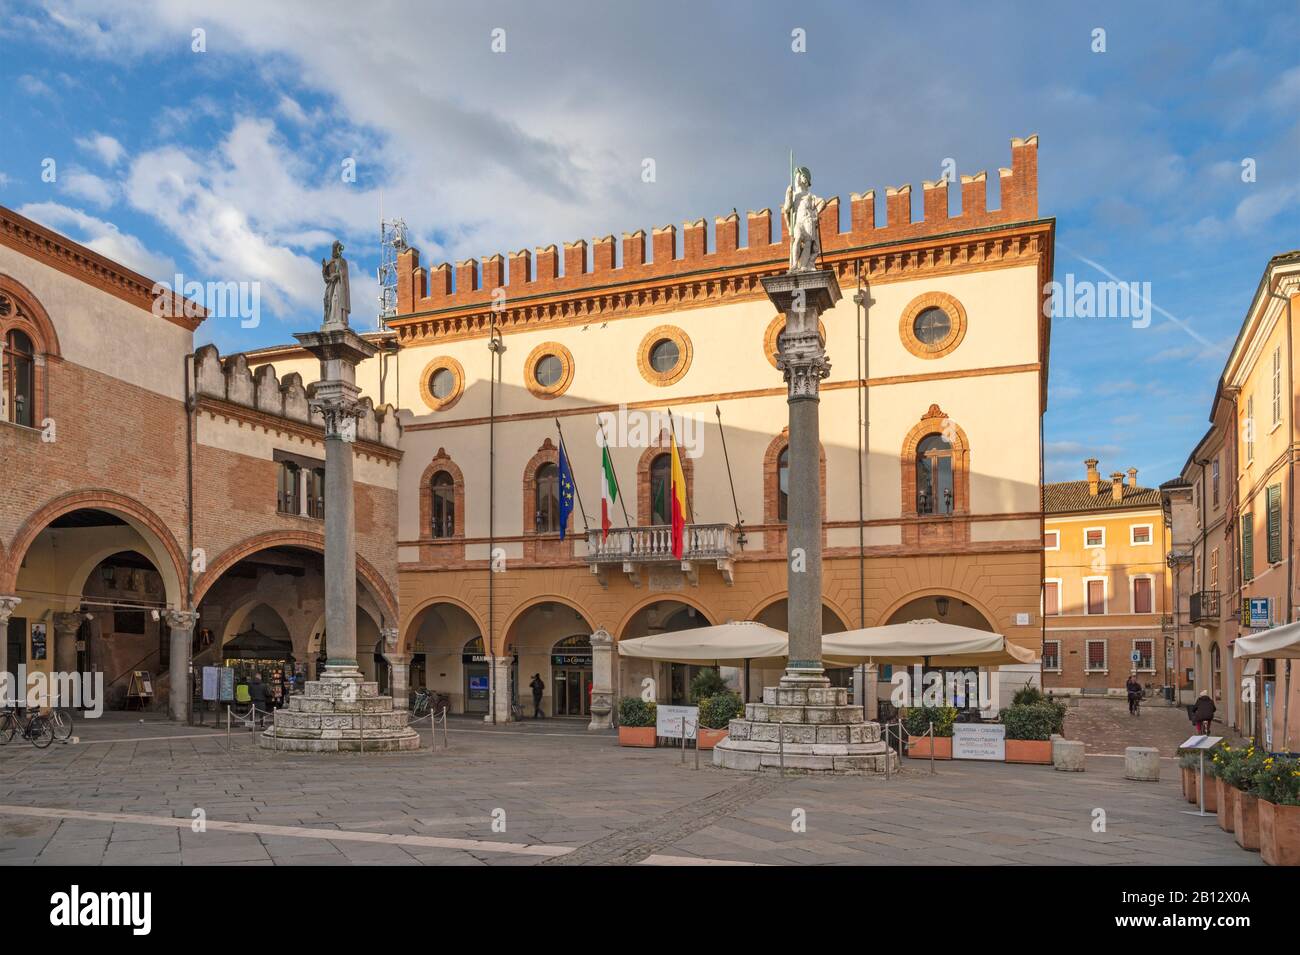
(931, 732)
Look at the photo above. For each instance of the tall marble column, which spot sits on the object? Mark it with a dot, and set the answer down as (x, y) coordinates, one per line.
(503, 694)
(602, 680)
(399, 664)
(181, 641)
(7, 690)
(66, 626)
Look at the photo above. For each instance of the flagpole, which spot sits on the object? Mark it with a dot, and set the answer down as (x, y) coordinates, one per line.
(586, 527)
(740, 525)
(617, 490)
(690, 510)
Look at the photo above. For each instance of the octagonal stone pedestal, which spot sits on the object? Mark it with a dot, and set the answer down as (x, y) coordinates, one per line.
(340, 715)
(822, 734)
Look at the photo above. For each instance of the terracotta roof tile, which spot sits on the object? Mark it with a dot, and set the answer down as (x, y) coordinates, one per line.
(1067, 497)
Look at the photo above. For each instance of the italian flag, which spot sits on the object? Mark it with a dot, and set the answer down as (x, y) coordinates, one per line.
(678, 495)
(608, 491)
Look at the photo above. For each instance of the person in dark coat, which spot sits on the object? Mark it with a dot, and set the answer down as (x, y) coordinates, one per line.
(257, 693)
(1203, 713)
(538, 688)
(1134, 689)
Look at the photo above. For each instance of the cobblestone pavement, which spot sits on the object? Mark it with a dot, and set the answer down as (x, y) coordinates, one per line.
(128, 791)
(1106, 727)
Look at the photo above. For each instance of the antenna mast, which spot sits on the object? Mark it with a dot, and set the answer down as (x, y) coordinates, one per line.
(392, 243)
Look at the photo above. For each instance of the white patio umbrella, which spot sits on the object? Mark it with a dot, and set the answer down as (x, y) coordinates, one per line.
(1279, 643)
(731, 643)
(922, 641)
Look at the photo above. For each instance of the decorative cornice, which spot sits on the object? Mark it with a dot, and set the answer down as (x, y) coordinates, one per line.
(219, 407)
(59, 252)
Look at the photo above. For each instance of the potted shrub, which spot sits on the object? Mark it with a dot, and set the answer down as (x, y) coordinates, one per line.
(1237, 772)
(1277, 785)
(636, 722)
(716, 714)
(917, 722)
(1029, 731)
(1188, 763)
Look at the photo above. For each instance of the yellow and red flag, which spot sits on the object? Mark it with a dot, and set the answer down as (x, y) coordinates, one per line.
(678, 495)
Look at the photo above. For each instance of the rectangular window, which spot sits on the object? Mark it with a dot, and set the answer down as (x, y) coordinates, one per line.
(316, 493)
(1274, 523)
(287, 499)
(1146, 651)
(1096, 659)
(1248, 547)
(1096, 596)
(1051, 540)
(1143, 594)
(1094, 537)
(1214, 482)
(1277, 385)
(1052, 655)
(1051, 597)
(1140, 534)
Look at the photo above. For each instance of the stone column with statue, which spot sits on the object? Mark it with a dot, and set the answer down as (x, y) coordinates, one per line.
(803, 715)
(340, 710)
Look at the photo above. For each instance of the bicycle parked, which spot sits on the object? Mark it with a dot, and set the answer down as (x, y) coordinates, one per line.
(424, 701)
(35, 727)
(61, 722)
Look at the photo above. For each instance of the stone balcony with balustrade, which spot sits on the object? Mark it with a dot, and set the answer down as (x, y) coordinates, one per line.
(634, 549)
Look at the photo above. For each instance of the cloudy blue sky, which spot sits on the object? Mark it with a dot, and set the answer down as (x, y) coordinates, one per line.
(226, 164)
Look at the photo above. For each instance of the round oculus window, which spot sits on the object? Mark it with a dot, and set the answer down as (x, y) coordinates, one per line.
(932, 326)
(548, 371)
(442, 383)
(665, 355)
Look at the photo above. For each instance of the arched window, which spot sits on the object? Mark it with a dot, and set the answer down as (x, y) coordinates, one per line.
(443, 522)
(934, 487)
(661, 489)
(547, 502)
(20, 379)
(783, 485)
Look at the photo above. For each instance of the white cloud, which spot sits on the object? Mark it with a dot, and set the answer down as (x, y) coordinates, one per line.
(103, 237)
(33, 86)
(87, 186)
(108, 149)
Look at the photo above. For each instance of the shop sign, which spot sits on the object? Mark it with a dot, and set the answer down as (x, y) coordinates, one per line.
(1261, 611)
(482, 659)
(571, 659)
(979, 741)
(671, 721)
(211, 682)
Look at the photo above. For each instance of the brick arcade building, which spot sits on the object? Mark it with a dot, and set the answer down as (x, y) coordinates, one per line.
(144, 482)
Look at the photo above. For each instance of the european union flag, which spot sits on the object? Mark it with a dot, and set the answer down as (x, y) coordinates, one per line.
(566, 490)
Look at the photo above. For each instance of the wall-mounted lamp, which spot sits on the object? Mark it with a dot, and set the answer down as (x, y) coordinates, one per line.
(942, 604)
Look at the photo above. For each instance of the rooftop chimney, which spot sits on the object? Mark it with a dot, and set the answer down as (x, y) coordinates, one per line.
(1093, 476)
(1117, 486)
(1132, 477)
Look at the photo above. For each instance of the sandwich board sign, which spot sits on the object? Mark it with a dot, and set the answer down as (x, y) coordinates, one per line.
(672, 721)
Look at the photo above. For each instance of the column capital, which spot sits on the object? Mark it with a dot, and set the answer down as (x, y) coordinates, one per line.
(390, 635)
(601, 638)
(67, 622)
(180, 619)
(7, 607)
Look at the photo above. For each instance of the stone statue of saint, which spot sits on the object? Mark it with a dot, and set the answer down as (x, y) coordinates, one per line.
(338, 298)
(802, 211)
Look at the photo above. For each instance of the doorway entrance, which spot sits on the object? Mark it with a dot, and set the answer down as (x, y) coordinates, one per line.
(571, 676)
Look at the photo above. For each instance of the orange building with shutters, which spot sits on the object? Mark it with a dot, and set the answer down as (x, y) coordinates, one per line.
(1105, 585)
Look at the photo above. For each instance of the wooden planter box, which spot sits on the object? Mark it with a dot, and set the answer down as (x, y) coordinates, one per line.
(1211, 794)
(1245, 823)
(1279, 834)
(706, 738)
(918, 747)
(1189, 784)
(1225, 797)
(1029, 751)
(636, 736)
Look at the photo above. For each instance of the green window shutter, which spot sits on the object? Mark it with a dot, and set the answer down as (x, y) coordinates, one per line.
(1274, 523)
(1248, 547)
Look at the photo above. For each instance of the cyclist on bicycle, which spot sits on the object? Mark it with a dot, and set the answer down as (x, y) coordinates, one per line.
(1134, 689)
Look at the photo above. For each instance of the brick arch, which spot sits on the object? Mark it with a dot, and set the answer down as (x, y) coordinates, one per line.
(771, 484)
(934, 421)
(827, 604)
(937, 591)
(710, 616)
(442, 462)
(34, 320)
(120, 505)
(306, 539)
(406, 639)
(643, 490)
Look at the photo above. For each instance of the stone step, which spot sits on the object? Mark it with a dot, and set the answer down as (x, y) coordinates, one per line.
(805, 732)
(809, 713)
(408, 741)
(806, 696)
(324, 704)
(290, 719)
(340, 689)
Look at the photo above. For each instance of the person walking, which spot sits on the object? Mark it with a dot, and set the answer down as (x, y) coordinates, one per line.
(1134, 689)
(538, 688)
(257, 693)
(1203, 713)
